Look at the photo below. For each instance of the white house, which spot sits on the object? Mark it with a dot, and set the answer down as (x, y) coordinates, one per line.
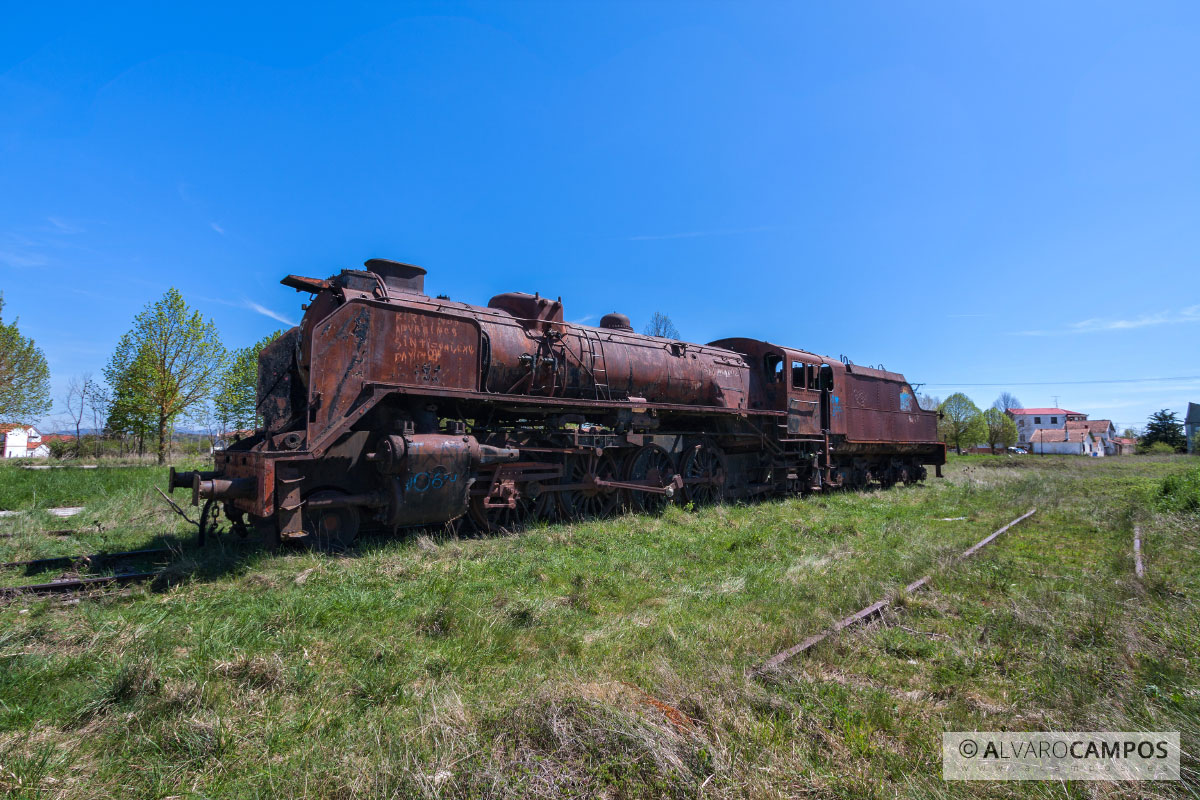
(1030, 420)
(1066, 442)
(22, 441)
(1101, 429)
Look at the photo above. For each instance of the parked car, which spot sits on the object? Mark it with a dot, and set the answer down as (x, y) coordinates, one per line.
(1018, 451)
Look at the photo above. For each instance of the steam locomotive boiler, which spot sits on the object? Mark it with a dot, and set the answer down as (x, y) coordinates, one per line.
(387, 407)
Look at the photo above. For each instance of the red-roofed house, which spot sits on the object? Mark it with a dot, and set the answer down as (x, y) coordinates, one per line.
(22, 441)
(1102, 429)
(1075, 442)
(1124, 445)
(1030, 420)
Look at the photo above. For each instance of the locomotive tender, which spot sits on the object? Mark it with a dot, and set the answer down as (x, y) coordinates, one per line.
(388, 407)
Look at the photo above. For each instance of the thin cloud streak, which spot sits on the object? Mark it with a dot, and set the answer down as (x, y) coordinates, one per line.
(266, 312)
(62, 226)
(217, 228)
(22, 260)
(695, 234)
(1097, 325)
(250, 305)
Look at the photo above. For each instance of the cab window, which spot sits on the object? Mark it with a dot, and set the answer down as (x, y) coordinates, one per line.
(814, 378)
(798, 381)
(773, 366)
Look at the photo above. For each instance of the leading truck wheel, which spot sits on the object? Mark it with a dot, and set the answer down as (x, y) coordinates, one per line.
(329, 527)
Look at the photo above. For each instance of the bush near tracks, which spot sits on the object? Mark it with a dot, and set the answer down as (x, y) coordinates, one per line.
(610, 658)
(1180, 492)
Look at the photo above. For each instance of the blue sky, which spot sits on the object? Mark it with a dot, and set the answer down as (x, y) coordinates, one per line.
(968, 193)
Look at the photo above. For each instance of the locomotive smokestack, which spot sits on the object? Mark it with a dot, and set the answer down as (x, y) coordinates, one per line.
(398, 276)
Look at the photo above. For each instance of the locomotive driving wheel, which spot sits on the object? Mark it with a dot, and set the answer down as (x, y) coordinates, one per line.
(589, 501)
(703, 469)
(650, 465)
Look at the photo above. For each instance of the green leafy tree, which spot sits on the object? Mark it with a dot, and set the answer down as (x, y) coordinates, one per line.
(130, 411)
(960, 422)
(24, 375)
(235, 404)
(1001, 430)
(1164, 426)
(173, 358)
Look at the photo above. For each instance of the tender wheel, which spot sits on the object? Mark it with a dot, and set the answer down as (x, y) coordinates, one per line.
(653, 466)
(887, 475)
(329, 528)
(589, 501)
(703, 469)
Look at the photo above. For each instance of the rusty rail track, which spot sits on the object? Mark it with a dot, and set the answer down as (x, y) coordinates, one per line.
(64, 585)
(93, 558)
(75, 584)
(877, 607)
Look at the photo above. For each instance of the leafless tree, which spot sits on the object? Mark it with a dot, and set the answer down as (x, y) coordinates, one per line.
(79, 393)
(98, 403)
(206, 422)
(928, 402)
(1007, 401)
(660, 325)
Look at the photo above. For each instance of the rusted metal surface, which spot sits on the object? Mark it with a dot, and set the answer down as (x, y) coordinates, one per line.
(76, 584)
(398, 405)
(37, 564)
(280, 392)
(434, 480)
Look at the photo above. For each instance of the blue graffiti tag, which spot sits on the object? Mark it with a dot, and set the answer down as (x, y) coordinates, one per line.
(905, 401)
(434, 479)
(836, 406)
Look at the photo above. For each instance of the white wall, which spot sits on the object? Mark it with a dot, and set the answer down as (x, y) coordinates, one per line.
(1027, 424)
(16, 443)
(1058, 448)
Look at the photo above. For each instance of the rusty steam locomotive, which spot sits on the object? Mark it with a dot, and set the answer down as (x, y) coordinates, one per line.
(390, 408)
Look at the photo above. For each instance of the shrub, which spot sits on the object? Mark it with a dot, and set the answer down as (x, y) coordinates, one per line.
(1179, 492)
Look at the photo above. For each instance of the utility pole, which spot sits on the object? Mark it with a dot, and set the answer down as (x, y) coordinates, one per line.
(1055, 400)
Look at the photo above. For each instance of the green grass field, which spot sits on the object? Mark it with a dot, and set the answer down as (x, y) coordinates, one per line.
(609, 658)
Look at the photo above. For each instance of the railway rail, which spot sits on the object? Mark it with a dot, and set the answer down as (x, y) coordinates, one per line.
(64, 585)
(76, 584)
